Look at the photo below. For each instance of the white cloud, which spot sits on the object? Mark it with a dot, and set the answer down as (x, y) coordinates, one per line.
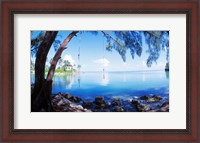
(103, 62)
(70, 59)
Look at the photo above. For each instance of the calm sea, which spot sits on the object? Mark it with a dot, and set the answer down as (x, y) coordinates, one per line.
(124, 85)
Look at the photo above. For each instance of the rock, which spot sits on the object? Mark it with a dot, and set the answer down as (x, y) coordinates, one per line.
(118, 109)
(143, 108)
(165, 104)
(76, 107)
(61, 103)
(144, 98)
(57, 97)
(56, 101)
(108, 104)
(66, 101)
(151, 100)
(157, 97)
(67, 95)
(130, 108)
(87, 104)
(102, 106)
(135, 102)
(75, 99)
(116, 102)
(99, 100)
(97, 107)
(154, 98)
(164, 107)
(66, 109)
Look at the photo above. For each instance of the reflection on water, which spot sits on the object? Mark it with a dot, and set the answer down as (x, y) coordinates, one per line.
(79, 81)
(112, 84)
(63, 80)
(105, 79)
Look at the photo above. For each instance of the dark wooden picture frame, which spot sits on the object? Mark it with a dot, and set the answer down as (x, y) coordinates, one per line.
(10, 7)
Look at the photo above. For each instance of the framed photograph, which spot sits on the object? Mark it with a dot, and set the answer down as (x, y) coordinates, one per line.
(99, 71)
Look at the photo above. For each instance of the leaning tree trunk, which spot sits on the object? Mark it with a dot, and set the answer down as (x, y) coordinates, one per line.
(40, 64)
(58, 54)
(43, 101)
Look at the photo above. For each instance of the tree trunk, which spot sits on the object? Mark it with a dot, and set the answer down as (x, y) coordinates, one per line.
(43, 100)
(58, 54)
(40, 63)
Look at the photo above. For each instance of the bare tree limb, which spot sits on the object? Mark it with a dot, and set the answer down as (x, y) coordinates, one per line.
(109, 36)
(58, 54)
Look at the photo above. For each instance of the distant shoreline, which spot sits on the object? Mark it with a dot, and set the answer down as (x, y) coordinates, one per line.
(75, 73)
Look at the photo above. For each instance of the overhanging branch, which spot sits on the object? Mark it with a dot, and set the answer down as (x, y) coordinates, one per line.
(109, 36)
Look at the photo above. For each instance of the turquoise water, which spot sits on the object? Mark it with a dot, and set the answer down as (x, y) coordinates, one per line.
(124, 85)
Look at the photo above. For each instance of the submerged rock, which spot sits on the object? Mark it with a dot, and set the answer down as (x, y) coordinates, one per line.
(165, 104)
(164, 107)
(143, 108)
(116, 102)
(144, 98)
(87, 104)
(154, 98)
(68, 103)
(75, 99)
(135, 102)
(102, 106)
(157, 97)
(99, 100)
(118, 109)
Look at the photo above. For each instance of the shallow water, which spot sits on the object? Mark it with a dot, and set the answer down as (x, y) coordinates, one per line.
(123, 85)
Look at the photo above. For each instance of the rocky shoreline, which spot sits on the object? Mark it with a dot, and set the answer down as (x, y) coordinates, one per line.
(68, 103)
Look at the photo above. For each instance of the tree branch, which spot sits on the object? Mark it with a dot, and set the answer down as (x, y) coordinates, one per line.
(154, 34)
(58, 54)
(109, 36)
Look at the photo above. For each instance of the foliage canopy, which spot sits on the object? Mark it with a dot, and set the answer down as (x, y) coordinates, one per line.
(122, 41)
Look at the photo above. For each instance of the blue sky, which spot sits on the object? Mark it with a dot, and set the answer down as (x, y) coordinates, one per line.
(95, 57)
